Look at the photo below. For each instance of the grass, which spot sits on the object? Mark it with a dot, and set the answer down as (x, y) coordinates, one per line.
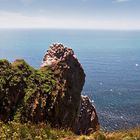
(27, 131)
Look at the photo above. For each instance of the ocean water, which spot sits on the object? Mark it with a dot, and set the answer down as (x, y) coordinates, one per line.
(111, 60)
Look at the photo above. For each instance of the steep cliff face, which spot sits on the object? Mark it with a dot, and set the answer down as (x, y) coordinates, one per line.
(50, 94)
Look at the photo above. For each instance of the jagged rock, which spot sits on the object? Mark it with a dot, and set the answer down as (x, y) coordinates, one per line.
(87, 120)
(70, 80)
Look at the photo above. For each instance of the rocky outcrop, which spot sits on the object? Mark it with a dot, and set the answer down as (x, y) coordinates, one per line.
(50, 94)
(87, 119)
(71, 76)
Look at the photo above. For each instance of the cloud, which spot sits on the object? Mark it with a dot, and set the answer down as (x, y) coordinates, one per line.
(84, 0)
(17, 20)
(119, 1)
(26, 2)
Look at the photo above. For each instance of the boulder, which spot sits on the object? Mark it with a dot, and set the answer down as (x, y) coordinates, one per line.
(87, 119)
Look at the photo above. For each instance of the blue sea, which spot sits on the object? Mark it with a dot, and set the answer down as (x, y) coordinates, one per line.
(111, 60)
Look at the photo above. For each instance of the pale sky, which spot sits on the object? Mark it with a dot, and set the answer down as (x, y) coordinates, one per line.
(79, 14)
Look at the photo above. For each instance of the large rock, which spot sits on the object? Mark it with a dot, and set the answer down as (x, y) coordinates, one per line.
(12, 86)
(70, 80)
(87, 119)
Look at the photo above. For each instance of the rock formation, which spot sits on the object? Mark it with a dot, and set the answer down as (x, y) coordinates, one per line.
(73, 110)
(70, 74)
(87, 120)
(51, 94)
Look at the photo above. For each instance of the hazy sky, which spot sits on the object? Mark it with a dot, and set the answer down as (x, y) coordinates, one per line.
(95, 14)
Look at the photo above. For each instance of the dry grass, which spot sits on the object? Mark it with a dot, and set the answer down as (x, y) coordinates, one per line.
(27, 131)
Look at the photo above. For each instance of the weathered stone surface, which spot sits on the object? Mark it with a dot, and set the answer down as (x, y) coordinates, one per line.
(70, 80)
(87, 120)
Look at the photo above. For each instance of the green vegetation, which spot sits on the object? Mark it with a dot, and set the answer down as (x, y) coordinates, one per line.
(28, 131)
(25, 92)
